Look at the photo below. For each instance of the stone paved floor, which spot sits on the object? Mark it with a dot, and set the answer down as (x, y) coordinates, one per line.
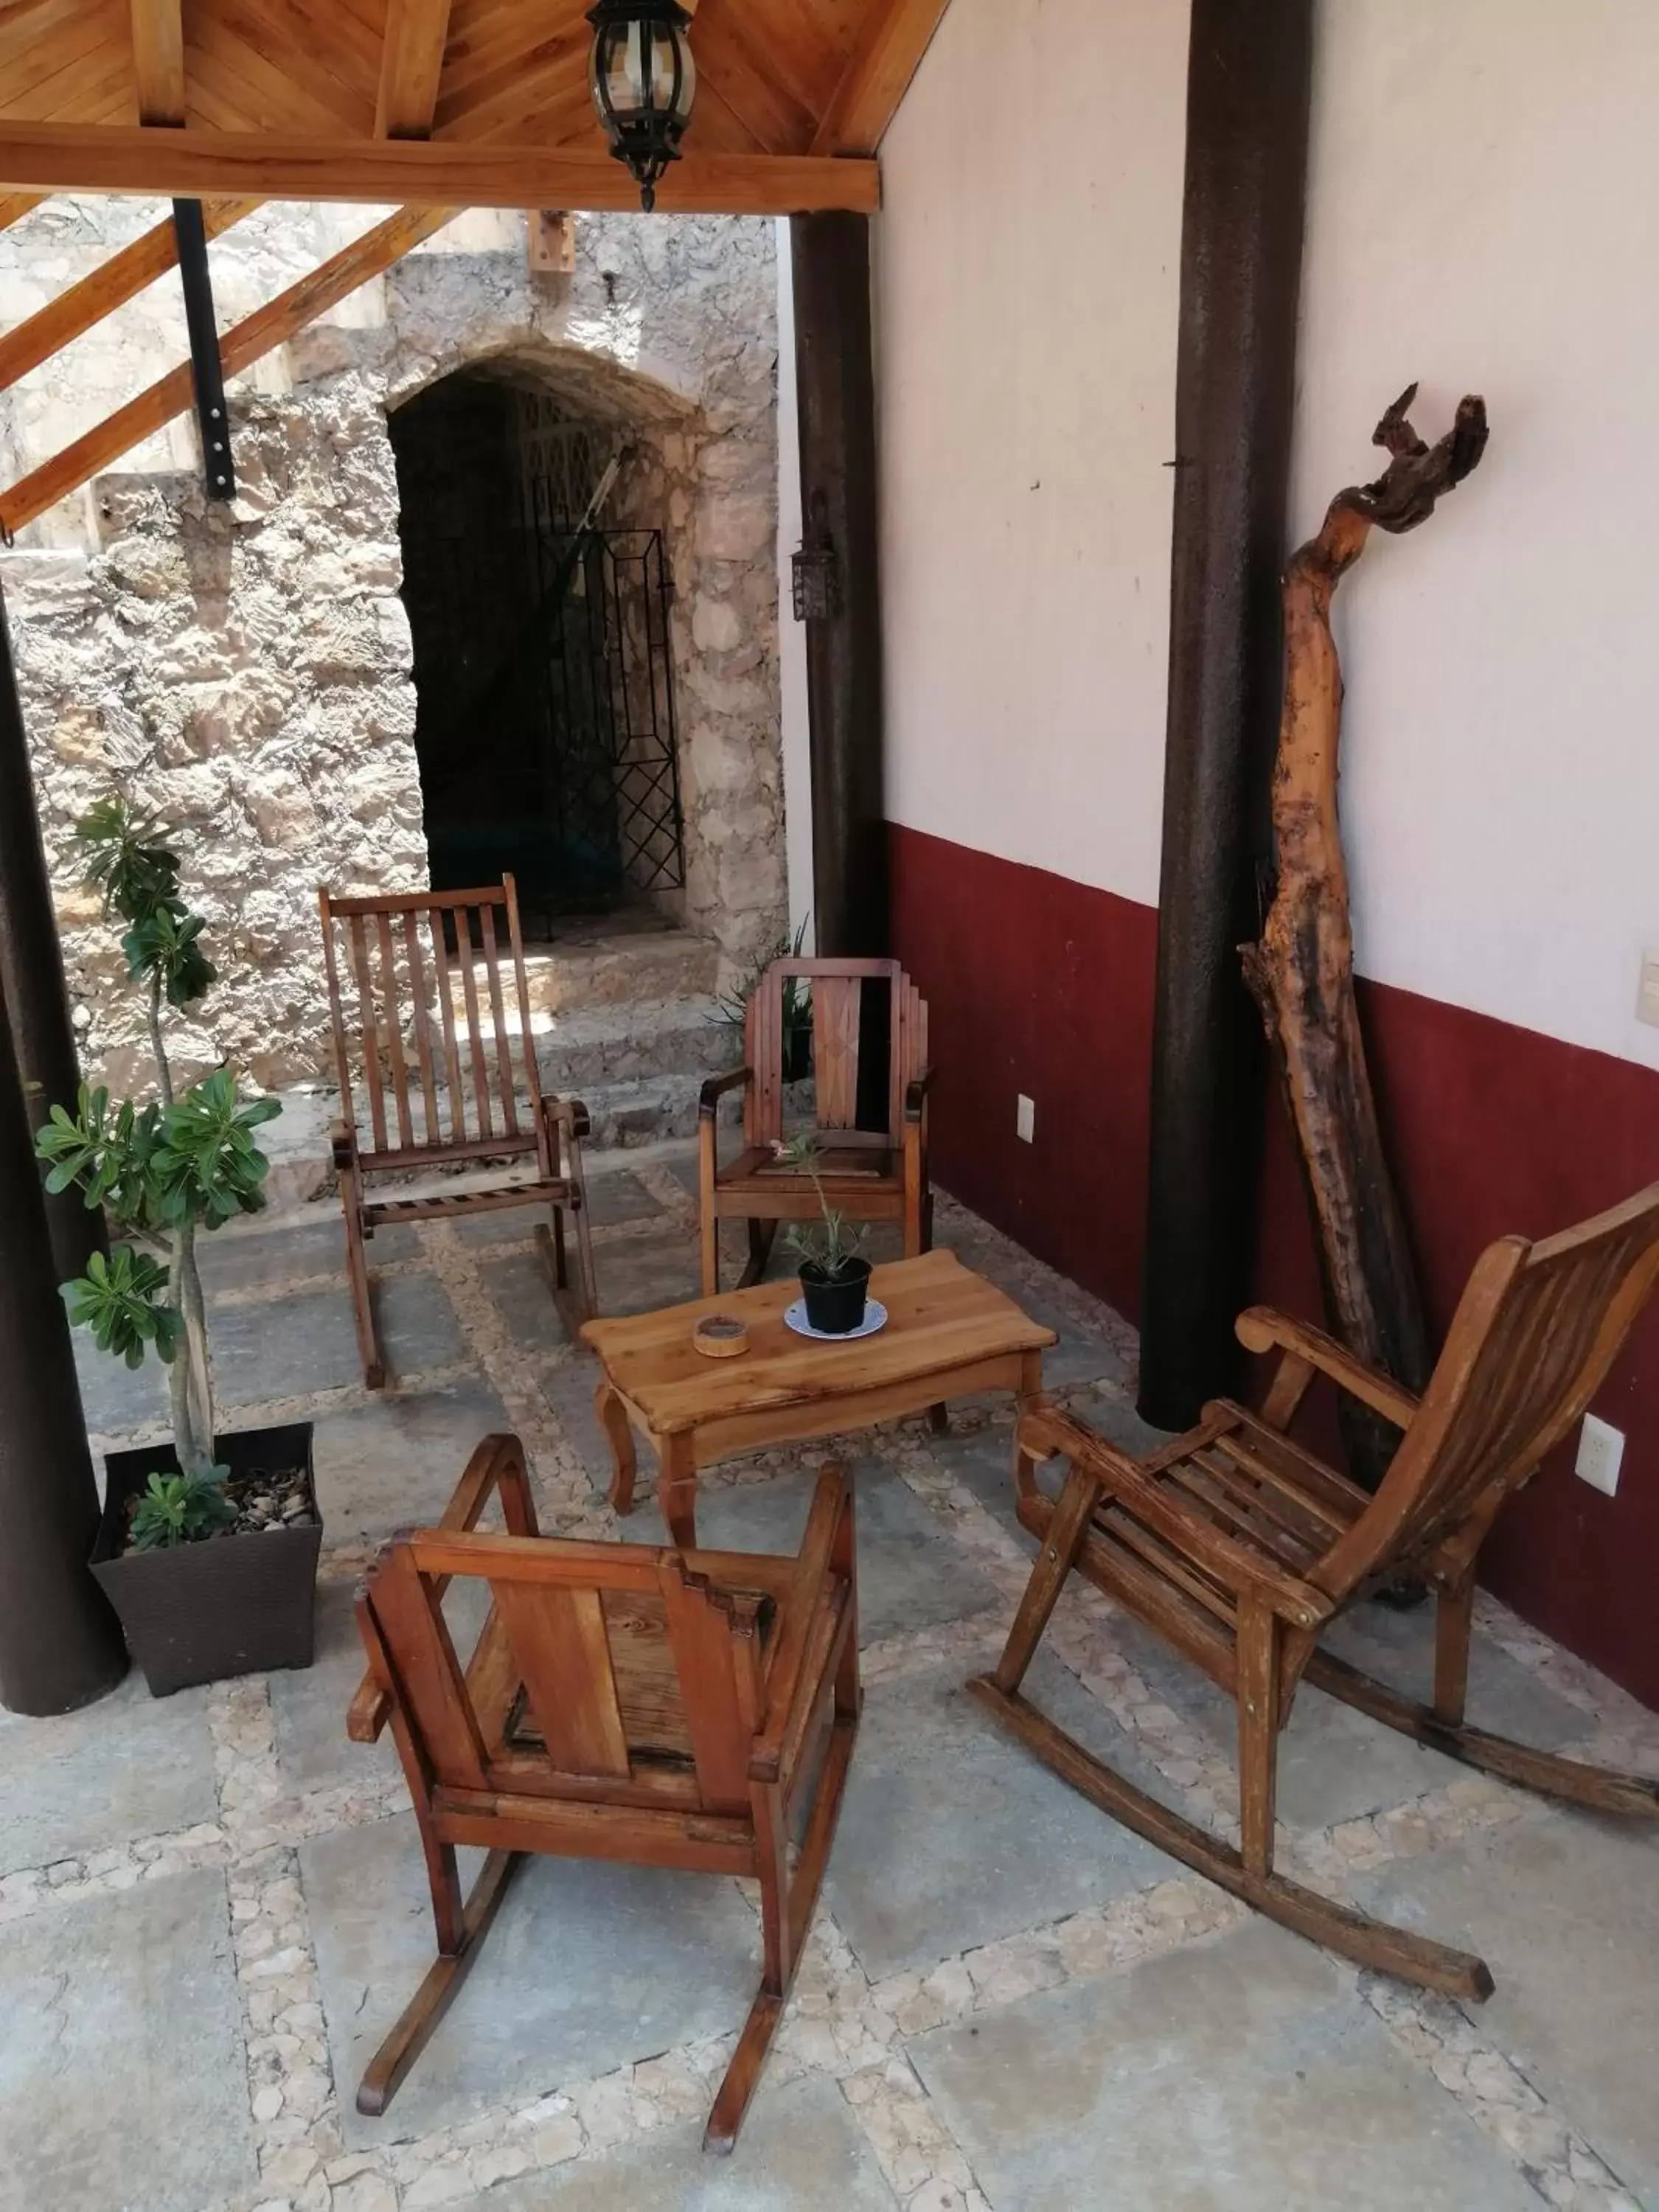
(213, 1904)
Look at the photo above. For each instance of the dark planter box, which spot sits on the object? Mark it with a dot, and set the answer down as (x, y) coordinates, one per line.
(234, 1605)
(836, 1308)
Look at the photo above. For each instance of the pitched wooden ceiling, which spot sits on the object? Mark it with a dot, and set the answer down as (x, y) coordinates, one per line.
(450, 102)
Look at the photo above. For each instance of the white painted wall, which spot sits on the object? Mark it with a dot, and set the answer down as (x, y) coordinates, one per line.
(1484, 213)
(1027, 270)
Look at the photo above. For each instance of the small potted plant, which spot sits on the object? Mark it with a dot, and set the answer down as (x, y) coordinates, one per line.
(835, 1276)
(207, 1546)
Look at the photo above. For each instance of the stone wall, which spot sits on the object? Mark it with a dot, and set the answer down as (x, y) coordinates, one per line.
(245, 669)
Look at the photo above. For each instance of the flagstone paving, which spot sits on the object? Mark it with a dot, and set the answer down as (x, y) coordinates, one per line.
(213, 1903)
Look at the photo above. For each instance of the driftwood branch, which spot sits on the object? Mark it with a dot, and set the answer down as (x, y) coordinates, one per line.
(1301, 972)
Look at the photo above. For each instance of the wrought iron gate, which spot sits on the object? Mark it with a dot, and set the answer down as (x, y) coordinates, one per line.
(543, 662)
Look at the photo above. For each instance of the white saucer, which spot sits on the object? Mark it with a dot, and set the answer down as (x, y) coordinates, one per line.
(875, 1318)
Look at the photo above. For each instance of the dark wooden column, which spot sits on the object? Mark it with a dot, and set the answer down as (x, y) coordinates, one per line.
(1241, 260)
(32, 968)
(60, 1645)
(834, 379)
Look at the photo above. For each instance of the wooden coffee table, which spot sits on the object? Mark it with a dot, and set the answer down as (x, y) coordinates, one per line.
(949, 1333)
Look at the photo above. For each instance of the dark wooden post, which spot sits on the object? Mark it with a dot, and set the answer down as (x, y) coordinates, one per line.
(835, 378)
(60, 1645)
(1241, 259)
(32, 968)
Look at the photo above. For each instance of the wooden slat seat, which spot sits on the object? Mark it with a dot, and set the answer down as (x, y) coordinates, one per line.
(653, 1706)
(871, 1174)
(437, 1070)
(1239, 1546)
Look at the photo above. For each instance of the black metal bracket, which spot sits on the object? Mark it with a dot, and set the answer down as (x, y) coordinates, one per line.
(207, 370)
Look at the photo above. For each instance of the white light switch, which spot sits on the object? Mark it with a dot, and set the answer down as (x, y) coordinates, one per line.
(1647, 993)
(1025, 1119)
(1601, 1449)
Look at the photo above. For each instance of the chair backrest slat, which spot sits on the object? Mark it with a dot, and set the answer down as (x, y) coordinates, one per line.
(433, 1689)
(562, 1654)
(402, 956)
(367, 1030)
(457, 1128)
(1535, 1332)
(498, 1021)
(418, 992)
(837, 1006)
(394, 1030)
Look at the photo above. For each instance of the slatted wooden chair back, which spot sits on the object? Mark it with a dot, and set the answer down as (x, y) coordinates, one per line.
(838, 997)
(431, 1015)
(1534, 1333)
(599, 1664)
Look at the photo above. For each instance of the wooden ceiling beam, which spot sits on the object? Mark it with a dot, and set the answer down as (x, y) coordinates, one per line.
(198, 164)
(114, 282)
(876, 78)
(411, 62)
(15, 205)
(158, 60)
(259, 333)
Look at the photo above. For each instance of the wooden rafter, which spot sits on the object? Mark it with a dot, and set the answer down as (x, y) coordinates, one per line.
(158, 60)
(195, 164)
(107, 287)
(411, 62)
(878, 76)
(258, 334)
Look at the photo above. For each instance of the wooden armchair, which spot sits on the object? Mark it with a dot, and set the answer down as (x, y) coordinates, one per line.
(873, 1175)
(1239, 1547)
(657, 1707)
(439, 1080)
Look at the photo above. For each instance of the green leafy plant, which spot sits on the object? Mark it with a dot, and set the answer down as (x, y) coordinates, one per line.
(162, 1172)
(833, 1244)
(180, 1509)
(732, 1006)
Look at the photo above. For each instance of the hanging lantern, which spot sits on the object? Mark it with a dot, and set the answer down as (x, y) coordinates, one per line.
(643, 81)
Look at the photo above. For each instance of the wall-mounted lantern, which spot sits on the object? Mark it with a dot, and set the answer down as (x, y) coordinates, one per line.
(643, 81)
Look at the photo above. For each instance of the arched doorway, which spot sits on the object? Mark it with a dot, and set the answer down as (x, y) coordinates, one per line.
(543, 672)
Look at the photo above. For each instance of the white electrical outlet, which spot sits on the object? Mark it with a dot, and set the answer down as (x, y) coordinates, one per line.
(1647, 991)
(1601, 1449)
(1025, 1119)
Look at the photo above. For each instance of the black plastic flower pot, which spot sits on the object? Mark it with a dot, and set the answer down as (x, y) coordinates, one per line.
(836, 1303)
(240, 1604)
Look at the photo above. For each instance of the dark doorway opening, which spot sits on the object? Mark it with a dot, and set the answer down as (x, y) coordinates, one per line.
(544, 677)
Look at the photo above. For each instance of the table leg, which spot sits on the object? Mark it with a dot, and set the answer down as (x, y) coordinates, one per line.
(677, 1491)
(1028, 1394)
(613, 1418)
(939, 1419)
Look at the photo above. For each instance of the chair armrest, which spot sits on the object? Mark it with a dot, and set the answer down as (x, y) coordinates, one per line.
(498, 1464)
(1260, 1329)
(790, 1683)
(716, 1088)
(1047, 1430)
(571, 1112)
(915, 1094)
(343, 1144)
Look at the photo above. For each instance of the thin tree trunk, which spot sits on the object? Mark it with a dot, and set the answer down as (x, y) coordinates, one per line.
(1302, 970)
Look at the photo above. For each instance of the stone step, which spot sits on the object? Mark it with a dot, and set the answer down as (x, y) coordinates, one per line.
(608, 967)
(631, 1040)
(645, 1111)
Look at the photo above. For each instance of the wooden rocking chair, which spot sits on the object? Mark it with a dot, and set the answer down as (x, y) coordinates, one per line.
(873, 1175)
(1239, 1547)
(441, 1084)
(661, 1708)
